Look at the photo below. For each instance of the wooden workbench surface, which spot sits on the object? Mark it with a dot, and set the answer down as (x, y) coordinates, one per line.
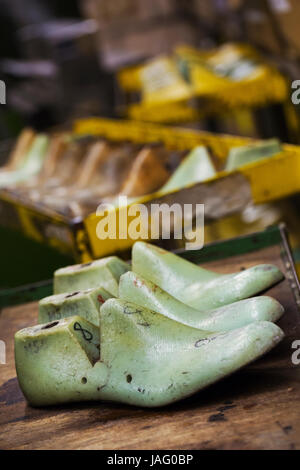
(257, 408)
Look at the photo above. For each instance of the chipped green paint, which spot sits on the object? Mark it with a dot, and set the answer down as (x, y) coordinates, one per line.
(197, 287)
(104, 273)
(83, 303)
(59, 362)
(134, 288)
(146, 359)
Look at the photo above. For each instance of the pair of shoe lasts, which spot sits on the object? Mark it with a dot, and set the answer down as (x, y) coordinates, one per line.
(175, 329)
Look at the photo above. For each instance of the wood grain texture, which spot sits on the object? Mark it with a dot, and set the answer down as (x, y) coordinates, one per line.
(257, 408)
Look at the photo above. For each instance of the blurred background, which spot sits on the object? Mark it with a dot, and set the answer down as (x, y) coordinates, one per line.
(224, 66)
(60, 60)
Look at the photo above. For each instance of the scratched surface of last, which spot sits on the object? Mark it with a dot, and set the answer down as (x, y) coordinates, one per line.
(257, 408)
